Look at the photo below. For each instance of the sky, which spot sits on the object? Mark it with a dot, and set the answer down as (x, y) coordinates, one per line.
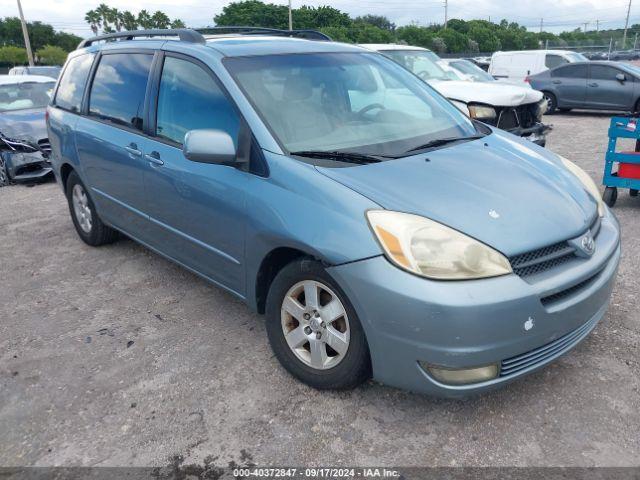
(557, 15)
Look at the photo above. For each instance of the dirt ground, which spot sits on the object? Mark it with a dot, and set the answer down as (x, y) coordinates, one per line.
(115, 356)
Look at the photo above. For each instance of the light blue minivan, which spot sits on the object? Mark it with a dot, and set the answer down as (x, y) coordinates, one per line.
(383, 233)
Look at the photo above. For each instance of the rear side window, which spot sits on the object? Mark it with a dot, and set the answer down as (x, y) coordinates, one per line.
(191, 99)
(72, 83)
(570, 71)
(118, 89)
(553, 61)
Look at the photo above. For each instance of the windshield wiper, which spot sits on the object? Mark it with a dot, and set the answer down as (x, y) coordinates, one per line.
(438, 142)
(349, 157)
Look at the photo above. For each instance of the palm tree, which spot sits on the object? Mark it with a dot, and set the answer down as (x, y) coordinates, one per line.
(129, 20)
(160, 20)
(93, 19)
(177, 23)
(105, 15)
(116, 18)
(144, 20)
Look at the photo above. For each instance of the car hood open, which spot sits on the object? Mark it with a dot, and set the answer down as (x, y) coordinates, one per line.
(499, 190)
(490, 93)
(28, 124)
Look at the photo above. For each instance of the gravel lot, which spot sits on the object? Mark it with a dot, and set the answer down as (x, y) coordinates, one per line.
(114, 356)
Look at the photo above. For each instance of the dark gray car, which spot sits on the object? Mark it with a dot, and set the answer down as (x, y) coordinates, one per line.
(590, 85)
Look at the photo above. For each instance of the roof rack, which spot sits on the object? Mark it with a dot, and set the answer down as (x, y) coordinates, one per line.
(184, 34)
(307, 34)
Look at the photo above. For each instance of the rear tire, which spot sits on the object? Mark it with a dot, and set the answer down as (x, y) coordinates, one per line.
(304, 341)
(85, 218)
(552, 102)
(633, 192)
(610, 196)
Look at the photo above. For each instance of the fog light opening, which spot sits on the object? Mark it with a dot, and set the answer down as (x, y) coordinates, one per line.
(461, 376)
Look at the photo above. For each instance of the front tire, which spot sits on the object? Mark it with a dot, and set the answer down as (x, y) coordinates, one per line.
(552, 102)
(313, 329)
(85, 218)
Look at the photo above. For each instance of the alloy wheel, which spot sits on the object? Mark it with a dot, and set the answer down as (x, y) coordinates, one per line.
(81, 208)
(315, 324)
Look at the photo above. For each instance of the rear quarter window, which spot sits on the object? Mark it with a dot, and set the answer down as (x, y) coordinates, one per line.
(72, 83)
(570, 71)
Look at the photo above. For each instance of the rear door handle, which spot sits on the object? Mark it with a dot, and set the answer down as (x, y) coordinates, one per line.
(557, 82)
(132, 148)
(593, 84)
(154, 158)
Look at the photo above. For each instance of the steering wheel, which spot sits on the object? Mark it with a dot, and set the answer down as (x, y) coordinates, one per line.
(368, 108)
(423, 74)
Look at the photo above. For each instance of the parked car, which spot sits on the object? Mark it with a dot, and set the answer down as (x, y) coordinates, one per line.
(482, 62)
(622, 55)
(477, 74)
(24, 148)
(51, 71)
(518, 65)
(593, 85)
(382, 231)
(515, 109)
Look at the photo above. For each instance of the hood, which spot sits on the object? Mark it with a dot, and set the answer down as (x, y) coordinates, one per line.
(491, 93)
(26, 124)
(507, 194)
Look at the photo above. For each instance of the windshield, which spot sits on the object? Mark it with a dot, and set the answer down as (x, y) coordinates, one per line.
(469, 68)
(18, 96)
(421, 62)
(335, 101)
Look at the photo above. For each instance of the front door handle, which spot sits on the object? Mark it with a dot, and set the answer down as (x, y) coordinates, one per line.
(593, 84)
(132, 148)
(154, 158)
(557, 82)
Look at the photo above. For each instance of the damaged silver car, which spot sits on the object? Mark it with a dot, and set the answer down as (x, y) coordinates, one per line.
(24, 146)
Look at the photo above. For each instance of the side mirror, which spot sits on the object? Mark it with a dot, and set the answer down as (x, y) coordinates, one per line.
(209, 146)
(621, 77)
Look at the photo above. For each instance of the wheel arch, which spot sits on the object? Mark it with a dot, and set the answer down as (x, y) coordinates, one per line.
(271, 264)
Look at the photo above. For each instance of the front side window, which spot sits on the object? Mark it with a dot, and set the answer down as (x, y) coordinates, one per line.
(73, 81)
(118, 89)
(191, 99)
(336, 101)
(602, 72)
(472, 70)
(24, 95)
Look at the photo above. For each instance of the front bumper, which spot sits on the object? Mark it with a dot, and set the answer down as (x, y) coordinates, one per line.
(24, 167)
(466, 324)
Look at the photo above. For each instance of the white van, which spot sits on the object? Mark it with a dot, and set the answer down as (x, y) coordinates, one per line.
(519, 65)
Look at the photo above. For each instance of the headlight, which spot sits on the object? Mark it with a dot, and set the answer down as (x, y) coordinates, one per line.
(432, 250)
(589, 185)
(482, 112)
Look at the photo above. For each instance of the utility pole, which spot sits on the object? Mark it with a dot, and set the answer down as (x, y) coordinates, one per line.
(585, 26)
(597, 26)
(626, 26)
(541, 24)
(446, 13)
(25, 33)
(290, 17)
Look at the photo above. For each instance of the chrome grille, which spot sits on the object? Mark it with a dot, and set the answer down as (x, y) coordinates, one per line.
(514, 365)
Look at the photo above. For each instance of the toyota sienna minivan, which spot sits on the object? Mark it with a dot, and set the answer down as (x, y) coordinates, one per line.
(383, 233)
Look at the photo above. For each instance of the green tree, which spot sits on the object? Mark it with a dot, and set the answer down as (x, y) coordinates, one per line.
(377, 21)
(253, 13)
(414, 35)
(160, 20)
(485, 38)
(51, 55)
(177, 23)
(13, 55)
(456, 42)
(94, 20)
(144, 20)
(106, 15)
(129, 20)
